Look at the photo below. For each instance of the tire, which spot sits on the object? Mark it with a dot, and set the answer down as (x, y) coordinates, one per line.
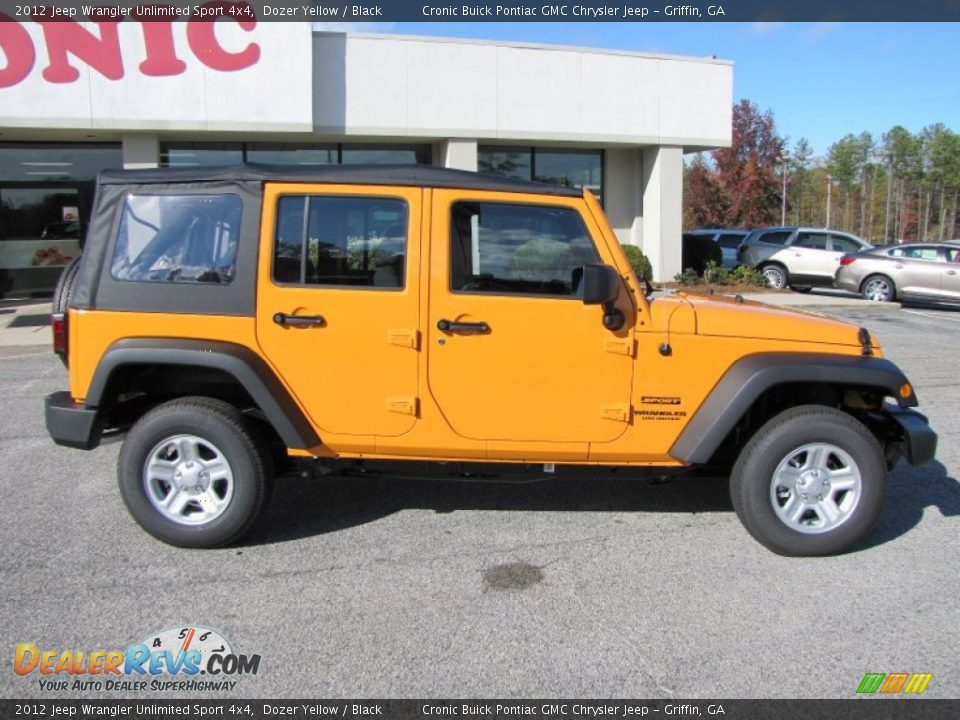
(879, 288)
(204, 458)
(63, 291)
(786, 506)
(776, 275)
(801, 289)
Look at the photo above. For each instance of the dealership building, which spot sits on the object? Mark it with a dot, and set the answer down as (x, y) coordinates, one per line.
(79, 98)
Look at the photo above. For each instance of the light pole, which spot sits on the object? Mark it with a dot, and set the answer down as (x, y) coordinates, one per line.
(829, 193)
(783, 197)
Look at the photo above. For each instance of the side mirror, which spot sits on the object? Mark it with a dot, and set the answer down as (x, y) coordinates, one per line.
(601, 285)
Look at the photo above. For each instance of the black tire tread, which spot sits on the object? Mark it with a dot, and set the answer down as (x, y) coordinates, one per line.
(740, 488)
(244, 430)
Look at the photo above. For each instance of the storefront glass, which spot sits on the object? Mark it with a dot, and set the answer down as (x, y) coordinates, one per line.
(570, 168)
(45, 196)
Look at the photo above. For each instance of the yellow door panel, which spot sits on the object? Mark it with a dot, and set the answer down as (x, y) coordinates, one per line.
(513, 354)
(338, 305)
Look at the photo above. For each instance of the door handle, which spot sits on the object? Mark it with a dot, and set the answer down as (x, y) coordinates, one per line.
(463, 328)
(898, 266)
(284, 320)
(951, 272)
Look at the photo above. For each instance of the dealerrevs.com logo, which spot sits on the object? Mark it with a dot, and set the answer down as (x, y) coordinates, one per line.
(170, 660)
(894, 683)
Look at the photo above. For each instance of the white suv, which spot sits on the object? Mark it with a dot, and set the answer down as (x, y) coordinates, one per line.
(800, 258)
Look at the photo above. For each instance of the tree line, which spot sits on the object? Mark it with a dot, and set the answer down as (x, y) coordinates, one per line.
(898, 187)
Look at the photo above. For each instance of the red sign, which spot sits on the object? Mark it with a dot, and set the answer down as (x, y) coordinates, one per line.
(68, 41)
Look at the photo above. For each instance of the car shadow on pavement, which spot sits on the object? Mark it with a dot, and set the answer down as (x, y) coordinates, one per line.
(335, 502)
(912, 490)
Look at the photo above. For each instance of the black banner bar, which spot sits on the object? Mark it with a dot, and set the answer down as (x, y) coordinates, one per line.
(351, 11)
(874, 708)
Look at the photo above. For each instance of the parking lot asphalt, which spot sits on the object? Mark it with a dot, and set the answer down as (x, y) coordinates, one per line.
(355, 587)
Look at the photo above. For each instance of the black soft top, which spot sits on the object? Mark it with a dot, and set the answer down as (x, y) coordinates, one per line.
(411, 175)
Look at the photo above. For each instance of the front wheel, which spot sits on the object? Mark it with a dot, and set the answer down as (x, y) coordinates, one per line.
(193, 473)
(776, 276)
(810, 482)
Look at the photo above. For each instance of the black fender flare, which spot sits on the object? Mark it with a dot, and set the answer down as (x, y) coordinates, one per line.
(751, 376)
(238, 361)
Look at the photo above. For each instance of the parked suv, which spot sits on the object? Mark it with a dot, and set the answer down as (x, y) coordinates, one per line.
(800, 258)
(233, 322)
(728, 240)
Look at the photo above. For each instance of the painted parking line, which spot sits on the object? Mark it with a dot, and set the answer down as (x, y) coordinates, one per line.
(931, 315)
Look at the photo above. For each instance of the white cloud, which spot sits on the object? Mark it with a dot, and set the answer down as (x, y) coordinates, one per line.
(818, 32)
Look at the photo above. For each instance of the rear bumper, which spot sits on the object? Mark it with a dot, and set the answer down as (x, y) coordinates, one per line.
(917, 443)
(72, 424)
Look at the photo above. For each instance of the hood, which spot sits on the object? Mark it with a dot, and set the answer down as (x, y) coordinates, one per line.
(727, 317)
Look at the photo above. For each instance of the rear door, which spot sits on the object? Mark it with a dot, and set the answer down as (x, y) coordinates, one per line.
(920, 270)
(514, 354)
(729, 243)
(810, 258)
(337, 306)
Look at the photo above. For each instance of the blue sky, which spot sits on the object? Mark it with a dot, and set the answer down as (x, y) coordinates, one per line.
(822, 80)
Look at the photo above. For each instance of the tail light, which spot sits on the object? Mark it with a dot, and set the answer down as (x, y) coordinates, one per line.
(847, 260)
(58, 321)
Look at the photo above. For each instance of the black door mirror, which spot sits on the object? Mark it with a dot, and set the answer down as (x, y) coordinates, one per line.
(601, 284)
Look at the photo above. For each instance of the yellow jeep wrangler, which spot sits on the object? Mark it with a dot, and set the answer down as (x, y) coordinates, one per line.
(236, 321)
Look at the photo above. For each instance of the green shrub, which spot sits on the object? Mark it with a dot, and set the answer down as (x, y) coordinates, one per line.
(638, 261)
(688, 277)
(748, 276)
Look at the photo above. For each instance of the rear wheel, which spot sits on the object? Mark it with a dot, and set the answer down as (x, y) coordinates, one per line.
(776, 276)
(63, 292)
(810, 482)
(879, 288)
(194, 473)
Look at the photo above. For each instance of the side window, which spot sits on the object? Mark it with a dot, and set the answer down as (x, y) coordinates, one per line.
(953, 255)
(844, 244)
(814, 241)
(505, 248)
(340, 241)
(921, 253)
(178, 238)
(728, 240)
(776, 237)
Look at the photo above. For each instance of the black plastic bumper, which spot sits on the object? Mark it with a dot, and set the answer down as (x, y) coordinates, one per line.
(919, 443)
(72, 424)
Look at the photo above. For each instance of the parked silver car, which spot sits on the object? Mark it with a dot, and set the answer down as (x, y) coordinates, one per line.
(799, 257)
(922, 271)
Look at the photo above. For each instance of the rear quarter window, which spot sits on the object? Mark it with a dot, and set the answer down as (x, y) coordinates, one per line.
(178, 239)
(775, 237)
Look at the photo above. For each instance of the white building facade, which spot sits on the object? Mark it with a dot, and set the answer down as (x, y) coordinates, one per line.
(78, 98)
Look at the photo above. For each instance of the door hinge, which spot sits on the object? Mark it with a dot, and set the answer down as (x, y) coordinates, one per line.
(618, 413)
(619, 347)
(403, 405)
(404, 338)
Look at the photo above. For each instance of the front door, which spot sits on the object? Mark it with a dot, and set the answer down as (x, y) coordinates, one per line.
(338, 307)
(951, 274)
(514, 354)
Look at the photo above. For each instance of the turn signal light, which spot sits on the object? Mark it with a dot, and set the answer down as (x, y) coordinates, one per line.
(58, 322)
(846, 260)
(906, 391)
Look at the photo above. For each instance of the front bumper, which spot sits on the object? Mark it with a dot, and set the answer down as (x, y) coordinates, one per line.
(916, 441)
(70, 423)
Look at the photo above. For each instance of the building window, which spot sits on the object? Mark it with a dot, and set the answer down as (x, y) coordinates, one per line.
(212, 154)
(200, 154)
(570, 168)
(41, 163)
(290, 154)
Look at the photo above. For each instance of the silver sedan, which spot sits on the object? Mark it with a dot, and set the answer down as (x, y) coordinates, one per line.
(920, 271)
